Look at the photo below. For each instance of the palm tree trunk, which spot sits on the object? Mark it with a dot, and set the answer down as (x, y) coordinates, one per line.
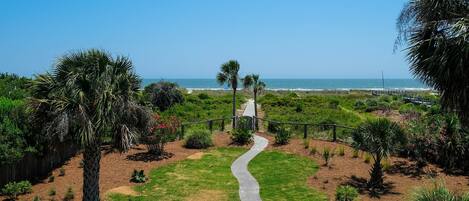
(376, 179)
(91, 156)
(234, 107)
(255, 111)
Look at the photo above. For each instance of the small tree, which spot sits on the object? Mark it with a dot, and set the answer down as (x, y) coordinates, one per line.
(229, 75)
(164, 94)
(379, 137)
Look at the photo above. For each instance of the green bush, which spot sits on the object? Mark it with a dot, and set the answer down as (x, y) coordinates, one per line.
(283, 136)
(346, 193)
(203, 96)
(13, 189)
(164, 94)
(69, 195)
(138, 176)
(198, 139)
(241, 136)
(437, 193)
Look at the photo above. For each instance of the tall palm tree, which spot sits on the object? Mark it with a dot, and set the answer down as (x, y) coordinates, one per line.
(90, 95)
(229, 75)
(253, 83)
(437, 32)
(379, 137)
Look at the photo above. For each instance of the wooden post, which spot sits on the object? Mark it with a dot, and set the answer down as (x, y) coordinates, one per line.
(222, 125)
(210, 125)
(305, 134)
(182, 132)
(334, 133)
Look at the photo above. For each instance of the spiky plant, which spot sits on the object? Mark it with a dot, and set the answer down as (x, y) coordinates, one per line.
(229, 75)
(90, 95)
(252, 82)
(436, 33)
(380, 137)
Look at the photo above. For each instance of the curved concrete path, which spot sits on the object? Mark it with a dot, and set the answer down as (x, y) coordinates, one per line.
(248, 186)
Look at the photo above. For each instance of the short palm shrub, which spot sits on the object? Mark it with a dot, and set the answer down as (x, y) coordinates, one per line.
(13, 189)
(313, 151)
(437, 193)
(241, 136)
(326, 155)
(380, 137)
(346, 193)
(69, 195)
(283, 135)
(198, 139)
(138, 176)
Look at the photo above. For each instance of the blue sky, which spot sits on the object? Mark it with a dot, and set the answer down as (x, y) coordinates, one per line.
(190, 39)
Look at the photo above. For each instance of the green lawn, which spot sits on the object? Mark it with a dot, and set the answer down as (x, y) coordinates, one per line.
(284, 176)
(281, 176)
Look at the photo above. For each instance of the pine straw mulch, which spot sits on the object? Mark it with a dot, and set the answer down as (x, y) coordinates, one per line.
(401, 179)
(116, 169)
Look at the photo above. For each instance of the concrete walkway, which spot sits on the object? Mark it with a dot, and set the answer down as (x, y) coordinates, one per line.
(248, 186)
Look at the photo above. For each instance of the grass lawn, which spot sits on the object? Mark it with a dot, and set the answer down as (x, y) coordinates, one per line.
(208, 178)
(281, 176)
(284, 176)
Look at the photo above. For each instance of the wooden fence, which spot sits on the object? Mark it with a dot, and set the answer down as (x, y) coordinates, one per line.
(32, 167)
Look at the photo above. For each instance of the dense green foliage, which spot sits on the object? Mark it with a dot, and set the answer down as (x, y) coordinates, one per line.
(13, 189)
(13, 86)
(380, 137)
(198, 139)
(283, 135)
(346, 193)
(163, 95)
(138, 176)
(243, 132)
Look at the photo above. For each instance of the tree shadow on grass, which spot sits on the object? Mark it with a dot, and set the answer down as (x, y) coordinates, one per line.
(149, 157)
(362, 186)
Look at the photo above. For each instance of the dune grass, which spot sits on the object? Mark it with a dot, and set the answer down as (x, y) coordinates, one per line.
(283, 176)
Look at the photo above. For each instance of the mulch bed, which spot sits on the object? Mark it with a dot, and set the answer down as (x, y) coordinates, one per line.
(401, 179)
(116, 169)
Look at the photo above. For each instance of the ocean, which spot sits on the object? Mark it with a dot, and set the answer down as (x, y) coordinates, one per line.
(307, 84)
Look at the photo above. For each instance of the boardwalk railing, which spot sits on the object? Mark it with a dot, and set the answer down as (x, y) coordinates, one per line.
(271, 125)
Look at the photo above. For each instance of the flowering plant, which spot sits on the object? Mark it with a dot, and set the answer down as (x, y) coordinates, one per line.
(162, 131)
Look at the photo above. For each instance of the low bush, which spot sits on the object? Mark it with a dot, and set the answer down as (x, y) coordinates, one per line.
(138, 176)
(326, 155)
(69, 195)
(437, 193)
(198, 139)
(13, 189)
(241, 136)
(367, 158)
(283, 136)
(346, 193)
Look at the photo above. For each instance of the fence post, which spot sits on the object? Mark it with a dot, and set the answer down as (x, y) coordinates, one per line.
(223, 124)
(334, 133)
(182, 132)
(305, 134)
(210, 125)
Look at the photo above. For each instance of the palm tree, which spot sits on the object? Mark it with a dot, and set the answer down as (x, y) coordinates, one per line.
(229, 75)
(90, 95)
(437, 32)
(257, 86)
(379, 137)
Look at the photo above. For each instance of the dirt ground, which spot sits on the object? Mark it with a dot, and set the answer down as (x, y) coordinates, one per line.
(401, 178)
(116, 169)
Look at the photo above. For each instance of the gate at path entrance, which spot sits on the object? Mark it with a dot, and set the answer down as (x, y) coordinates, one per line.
(245, 122)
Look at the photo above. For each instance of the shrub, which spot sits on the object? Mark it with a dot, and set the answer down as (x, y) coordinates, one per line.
(52, 192)
(161, 132)
(198, 139)
(51, 179)
(164, 94)
(386, 164)
(334, 104)
(241, 136)
(138, 176)
(306, 143)
(355, 153)
(346, 193)
(69, 195)
(437, 193)
(13, 189)
(326, 155)
(283, 136)
(61, 172)
(359, 105)
(299, 107)
(341, 151)
(203, 96)
(36, 198)
(313, 151)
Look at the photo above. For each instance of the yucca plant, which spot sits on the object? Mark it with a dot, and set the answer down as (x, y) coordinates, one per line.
(380, 138)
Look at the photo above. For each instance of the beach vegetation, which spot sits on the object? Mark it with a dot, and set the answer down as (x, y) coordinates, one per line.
(163, 94)
(229, 75)
(198, 139)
